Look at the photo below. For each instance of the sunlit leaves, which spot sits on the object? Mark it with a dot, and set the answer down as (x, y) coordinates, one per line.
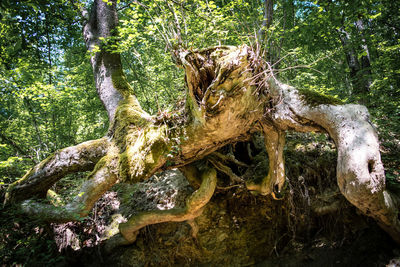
(150, 30)
(47, 97)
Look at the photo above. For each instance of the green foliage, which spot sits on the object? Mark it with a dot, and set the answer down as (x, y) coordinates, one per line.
(47, 97)
(150, 30)
(10, 168)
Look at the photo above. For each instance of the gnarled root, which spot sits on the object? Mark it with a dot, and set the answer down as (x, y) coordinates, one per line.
(272, 183)
(360, 172)
(100, 180)
(40, 178)
(193, 208)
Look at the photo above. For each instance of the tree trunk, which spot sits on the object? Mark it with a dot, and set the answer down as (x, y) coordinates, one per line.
(360, 72)
(365, 58)
(107, 68)
(267, 20)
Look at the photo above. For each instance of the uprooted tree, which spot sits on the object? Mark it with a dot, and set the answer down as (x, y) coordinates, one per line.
(231, 94)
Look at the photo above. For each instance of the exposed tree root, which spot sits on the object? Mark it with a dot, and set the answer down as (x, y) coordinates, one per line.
(225, 169)
(229, 98)
(193, 208)
(360, 172)
(274, 139)
(100, 180)
(230, 157)
(39, 179)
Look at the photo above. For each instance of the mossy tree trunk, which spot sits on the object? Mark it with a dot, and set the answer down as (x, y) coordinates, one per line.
(230, 95)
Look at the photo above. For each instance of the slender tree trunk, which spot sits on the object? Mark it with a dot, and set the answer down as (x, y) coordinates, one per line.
(107, 67)
(35, 125)
(365, 58)
(289, 14)
(360, 69)
(288, 23)
(267, 20)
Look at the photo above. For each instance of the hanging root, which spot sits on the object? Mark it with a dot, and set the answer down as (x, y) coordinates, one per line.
(273, 182)
(217, 160)
(100, 180)
(193, 208)
(225, 169)
(39, 179)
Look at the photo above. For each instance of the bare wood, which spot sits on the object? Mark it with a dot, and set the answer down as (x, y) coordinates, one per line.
(360, 172)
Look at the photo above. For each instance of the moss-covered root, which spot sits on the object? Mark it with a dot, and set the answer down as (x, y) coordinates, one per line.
(100, 180)
(40, 178)
(193, 208)
(274, 181)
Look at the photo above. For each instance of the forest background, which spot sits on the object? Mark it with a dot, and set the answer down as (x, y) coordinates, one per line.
(347, 49)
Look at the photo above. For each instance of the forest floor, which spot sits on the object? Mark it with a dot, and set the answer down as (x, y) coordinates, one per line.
(233, 233)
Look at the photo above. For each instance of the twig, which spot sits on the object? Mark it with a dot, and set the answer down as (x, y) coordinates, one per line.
(306, 66)
(298, 67)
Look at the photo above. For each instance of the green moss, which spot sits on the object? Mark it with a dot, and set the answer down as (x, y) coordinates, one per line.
(112, 229)
(120, 83)
(129, 119)
(158, 151)
(124, 167)
(129, 111)
(100, 164)
(313, 98)
(54, 198)
(146, 154)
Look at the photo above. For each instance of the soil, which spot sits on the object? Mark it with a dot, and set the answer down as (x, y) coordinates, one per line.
(243, 230)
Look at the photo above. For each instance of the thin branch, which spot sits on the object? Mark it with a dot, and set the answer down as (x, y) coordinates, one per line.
(308, 65)
(177, 24)
(298, 67)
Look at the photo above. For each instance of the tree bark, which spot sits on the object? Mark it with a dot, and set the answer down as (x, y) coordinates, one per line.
(109, 79)
(360, 172)
(192, 209)
(360, 72)
(365, 58)
(39, 179)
